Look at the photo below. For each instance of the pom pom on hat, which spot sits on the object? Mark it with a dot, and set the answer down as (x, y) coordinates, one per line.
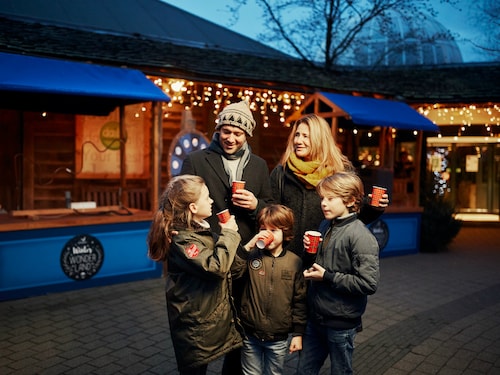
(237, 114)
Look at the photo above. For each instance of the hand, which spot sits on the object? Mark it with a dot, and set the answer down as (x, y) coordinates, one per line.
(315, 273)
(230, 224)
(383, 202)
(252, 243)
(245, 199)
(296, 344)
(306, 241)
(172, 233)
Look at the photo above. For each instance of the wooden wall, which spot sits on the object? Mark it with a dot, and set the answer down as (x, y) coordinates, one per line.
(269, 143)
(10, 160)
(48, 160)
(38, 157)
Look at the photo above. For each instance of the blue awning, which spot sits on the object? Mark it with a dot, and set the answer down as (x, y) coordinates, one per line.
(379, 112)
(36, 83)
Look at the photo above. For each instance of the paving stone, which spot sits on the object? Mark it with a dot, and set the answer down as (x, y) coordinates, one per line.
(433, 314)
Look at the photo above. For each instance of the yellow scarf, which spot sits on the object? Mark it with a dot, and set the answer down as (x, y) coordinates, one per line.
(307, 171)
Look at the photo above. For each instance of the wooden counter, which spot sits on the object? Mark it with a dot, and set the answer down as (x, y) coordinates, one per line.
(403, 209)
(64, 217)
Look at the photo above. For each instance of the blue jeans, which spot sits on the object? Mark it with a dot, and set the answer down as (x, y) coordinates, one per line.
(263, 357)
(319, 342)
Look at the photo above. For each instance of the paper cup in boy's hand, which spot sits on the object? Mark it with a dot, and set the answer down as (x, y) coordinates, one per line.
(314, 239)
(224, 216)
(265, 240)
(238, 185)
(377, 193)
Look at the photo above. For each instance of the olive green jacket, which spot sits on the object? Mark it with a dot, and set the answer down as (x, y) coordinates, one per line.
(201, 313)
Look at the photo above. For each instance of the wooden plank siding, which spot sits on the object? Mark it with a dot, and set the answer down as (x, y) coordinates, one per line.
(47, 161)
(47, 158)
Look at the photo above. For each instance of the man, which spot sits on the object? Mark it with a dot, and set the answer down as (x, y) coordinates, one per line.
(229, 158)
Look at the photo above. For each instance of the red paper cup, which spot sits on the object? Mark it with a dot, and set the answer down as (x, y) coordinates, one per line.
(224, 216)
(314, 238)
(265, 240)
(238, 185)
(377, 193)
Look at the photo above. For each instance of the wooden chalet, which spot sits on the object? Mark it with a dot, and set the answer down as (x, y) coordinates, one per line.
(100, 100)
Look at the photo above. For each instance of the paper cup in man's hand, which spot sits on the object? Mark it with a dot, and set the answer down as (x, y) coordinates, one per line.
(314, 239)
(238, 185)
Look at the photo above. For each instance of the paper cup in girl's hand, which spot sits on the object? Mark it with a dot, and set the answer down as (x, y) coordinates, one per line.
(265, 240)
(238, 185)
(314, 238)
(377, 193)
(224, 216)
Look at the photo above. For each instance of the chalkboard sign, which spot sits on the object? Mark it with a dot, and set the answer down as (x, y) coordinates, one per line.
(82, 257)
(381, 232)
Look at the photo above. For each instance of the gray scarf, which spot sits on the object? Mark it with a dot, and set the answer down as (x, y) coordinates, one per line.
(243, 154)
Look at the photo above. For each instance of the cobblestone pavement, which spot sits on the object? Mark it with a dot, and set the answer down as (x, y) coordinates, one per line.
(433, 314)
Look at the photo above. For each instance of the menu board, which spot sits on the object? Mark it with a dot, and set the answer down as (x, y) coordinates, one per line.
(98, 144)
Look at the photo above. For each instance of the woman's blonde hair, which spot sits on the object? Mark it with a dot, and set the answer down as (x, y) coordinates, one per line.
(323, 146)
(345, 185)
(173, 213)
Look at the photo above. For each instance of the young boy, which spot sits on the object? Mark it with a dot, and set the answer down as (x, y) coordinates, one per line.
(345, 272)
(274, 296)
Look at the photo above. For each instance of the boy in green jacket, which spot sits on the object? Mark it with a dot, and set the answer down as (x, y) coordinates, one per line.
(274, 296)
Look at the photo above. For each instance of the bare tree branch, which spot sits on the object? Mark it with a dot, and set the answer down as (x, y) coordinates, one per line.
(323, 31)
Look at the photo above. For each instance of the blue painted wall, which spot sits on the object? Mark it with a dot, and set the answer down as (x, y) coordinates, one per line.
(30, 260)
(403, 233)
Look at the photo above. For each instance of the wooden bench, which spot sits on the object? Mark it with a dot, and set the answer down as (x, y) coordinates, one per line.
(109, 196)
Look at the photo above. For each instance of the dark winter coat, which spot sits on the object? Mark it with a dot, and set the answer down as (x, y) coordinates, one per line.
(306, 206)
(208, 164)
(349, 254)
(274, 297)
(198, 289)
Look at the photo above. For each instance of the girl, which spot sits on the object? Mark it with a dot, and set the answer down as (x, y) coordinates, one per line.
(200, 311)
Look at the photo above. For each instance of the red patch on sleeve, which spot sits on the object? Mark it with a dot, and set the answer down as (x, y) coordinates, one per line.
(192, 251)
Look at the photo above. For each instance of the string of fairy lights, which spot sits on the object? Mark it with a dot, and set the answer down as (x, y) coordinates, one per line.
(191, 94)
(465, 117)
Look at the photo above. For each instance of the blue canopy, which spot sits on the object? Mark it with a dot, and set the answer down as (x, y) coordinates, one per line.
(373, 112)
(35, 83)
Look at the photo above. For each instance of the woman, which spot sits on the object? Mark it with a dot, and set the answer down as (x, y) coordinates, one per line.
(310, 155)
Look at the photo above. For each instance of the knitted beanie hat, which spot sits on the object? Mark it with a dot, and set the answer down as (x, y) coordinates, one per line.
(237, 114)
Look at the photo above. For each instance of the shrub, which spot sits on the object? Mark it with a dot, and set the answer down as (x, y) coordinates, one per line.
(439, 226)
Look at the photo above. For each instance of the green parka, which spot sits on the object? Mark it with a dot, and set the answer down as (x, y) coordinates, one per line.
(202, 319)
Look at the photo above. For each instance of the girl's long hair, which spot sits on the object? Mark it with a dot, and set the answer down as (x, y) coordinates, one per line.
(323, 146)
(173, 213)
